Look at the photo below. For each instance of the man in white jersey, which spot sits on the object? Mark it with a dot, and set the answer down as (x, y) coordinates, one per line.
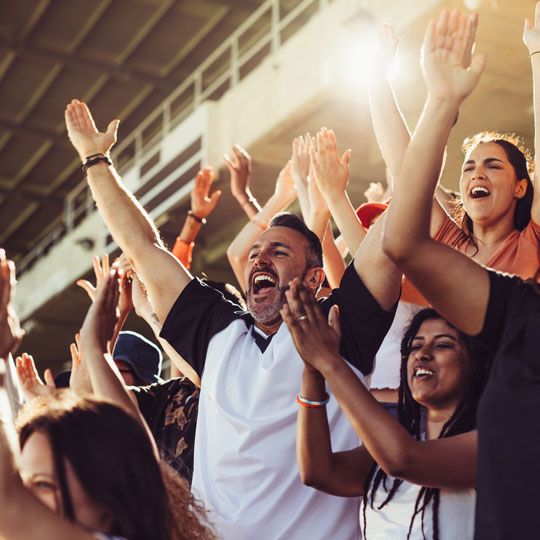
(245, 468)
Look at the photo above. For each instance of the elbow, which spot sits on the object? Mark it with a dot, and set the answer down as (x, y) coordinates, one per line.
(311, 478)
(395, 468)
(396, 248)
(398, 462)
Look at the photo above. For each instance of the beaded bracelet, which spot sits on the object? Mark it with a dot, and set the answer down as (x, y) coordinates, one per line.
(309, 404)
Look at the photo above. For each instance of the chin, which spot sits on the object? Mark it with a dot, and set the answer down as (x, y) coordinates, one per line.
(264, 313)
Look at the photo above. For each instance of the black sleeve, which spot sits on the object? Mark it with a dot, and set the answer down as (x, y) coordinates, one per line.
(150, 401)
(364, 323)
(503, 291)
(199, 313)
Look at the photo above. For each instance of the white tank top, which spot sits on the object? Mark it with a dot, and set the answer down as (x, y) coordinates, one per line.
(456, 514)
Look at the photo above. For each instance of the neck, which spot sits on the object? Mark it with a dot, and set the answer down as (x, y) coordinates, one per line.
(491, 234)
(269, 328)
(436, 418)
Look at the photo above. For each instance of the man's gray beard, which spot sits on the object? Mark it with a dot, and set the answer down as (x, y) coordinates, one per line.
(267, 313)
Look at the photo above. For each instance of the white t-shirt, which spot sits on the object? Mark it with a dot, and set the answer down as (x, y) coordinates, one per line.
(456, 514)
(245, 469)
(388, 359)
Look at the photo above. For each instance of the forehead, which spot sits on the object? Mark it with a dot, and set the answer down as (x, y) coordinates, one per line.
(485, 150)
(282, 235)
(433, 327)
(36, 456)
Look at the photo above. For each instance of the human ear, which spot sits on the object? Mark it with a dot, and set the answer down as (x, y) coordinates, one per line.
(520, 188)
(314, 278)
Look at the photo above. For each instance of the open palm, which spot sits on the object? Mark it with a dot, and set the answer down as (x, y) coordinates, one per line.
(450, 69)
(83, 133)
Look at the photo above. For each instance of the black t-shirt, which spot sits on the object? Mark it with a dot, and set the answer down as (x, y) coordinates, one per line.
(508, 476)
(170, 410)
(201, 312)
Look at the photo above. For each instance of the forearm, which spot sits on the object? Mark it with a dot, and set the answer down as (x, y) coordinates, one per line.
(190, 230)
(390, 128)
(412, 203)
(248, 203)
(104, 376)
(385, 439)
(334, 265)
(314, 449)
(303, 197)
(8, 448)
(347, 221)
(128, 222)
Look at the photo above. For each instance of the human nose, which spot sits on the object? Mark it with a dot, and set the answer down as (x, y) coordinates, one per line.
(424, 353)
(261, 259)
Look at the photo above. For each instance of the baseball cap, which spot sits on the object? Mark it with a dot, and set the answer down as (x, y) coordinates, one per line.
(143, 356)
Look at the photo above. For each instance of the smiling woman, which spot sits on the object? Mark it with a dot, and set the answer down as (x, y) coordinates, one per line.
(416, 474)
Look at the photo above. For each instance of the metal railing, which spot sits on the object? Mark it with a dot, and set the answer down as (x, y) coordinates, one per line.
(223, 69)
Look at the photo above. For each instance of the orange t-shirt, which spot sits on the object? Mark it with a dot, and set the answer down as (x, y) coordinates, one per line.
(183, 252)
(517, 254)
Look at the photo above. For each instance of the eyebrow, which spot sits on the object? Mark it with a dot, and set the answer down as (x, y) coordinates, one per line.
(272, 244)
(487, 160)
(450, 336)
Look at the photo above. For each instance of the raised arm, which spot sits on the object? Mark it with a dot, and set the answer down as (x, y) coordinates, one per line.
(531, 37)
(441, 463)
(127, 221)
(391, 130)
(389, 124)
(11, 333)
(16, 502)
(318, 221)
(96, 350)
(331, 172)
(338, 473)
(456, 286)
(300, 165)
(238, 251)
(239, 166)
(203, 203)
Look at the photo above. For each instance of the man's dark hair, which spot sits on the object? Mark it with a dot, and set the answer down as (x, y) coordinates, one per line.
(314, 254)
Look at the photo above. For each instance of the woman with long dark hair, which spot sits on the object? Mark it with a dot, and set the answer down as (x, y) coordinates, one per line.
(416, 474)
(87, 467)
(501, 311)
(497, 220)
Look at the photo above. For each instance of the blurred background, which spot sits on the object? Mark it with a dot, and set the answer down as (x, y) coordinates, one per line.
(188, 78)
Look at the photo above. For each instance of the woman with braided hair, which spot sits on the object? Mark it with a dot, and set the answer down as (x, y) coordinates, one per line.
(417, 474)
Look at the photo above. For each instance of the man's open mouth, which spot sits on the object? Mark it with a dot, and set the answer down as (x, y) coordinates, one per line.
(262, 282)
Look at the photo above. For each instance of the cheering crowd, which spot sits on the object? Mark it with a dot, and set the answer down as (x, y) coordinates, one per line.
(395, 396)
